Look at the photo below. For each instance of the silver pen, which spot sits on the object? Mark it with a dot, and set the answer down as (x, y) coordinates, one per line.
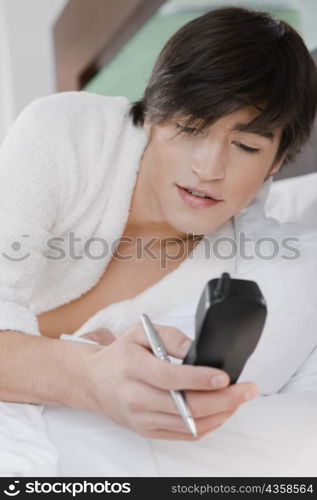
(159, 351)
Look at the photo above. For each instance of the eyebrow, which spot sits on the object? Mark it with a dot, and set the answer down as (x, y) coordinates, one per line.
(240, 128)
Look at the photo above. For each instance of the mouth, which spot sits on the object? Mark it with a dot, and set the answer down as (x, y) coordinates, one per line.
(197, 198)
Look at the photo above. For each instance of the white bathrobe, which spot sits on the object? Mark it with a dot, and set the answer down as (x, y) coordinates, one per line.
(68, 166)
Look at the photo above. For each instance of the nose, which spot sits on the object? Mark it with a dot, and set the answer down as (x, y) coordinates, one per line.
(209, 163)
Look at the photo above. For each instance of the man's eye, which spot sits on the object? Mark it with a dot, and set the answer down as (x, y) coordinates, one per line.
(247, 148)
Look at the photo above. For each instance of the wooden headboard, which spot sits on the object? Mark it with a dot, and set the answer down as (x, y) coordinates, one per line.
(88, 33)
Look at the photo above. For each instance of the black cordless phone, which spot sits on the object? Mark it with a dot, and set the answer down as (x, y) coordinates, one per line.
(229, 320)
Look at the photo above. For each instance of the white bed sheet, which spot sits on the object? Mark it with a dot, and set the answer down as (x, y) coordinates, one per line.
(263, 438)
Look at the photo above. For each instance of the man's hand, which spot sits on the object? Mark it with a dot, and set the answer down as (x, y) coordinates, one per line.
(127, 383)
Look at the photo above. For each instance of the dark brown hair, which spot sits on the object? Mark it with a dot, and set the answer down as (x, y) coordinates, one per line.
(227, 59)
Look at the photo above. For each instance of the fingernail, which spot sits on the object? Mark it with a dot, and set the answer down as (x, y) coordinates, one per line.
(218, 380)
(251, 393)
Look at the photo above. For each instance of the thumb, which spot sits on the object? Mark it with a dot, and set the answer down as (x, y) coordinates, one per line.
(174, 340)
(102, 336)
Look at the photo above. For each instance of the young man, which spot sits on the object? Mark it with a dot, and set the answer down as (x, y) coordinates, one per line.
(231, 98)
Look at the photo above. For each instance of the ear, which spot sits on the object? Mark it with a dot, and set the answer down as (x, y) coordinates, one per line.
(276, 166)
(147, 127)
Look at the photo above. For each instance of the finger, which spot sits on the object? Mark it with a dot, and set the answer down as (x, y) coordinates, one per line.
(101, 335)
(176, 344)
(164, 434)
(172, 376)
(154, 421)
(142, 398)
(173, 436)
(203, 404)
(175, 341)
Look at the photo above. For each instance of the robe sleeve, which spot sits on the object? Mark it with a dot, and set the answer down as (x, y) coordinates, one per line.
(28, 208)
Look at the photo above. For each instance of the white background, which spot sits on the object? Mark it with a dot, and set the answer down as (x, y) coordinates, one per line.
(27, 68)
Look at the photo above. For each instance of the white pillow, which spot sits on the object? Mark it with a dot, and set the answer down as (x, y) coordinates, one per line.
(294, 200)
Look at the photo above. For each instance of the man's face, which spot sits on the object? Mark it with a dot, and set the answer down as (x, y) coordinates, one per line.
(230, 164)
